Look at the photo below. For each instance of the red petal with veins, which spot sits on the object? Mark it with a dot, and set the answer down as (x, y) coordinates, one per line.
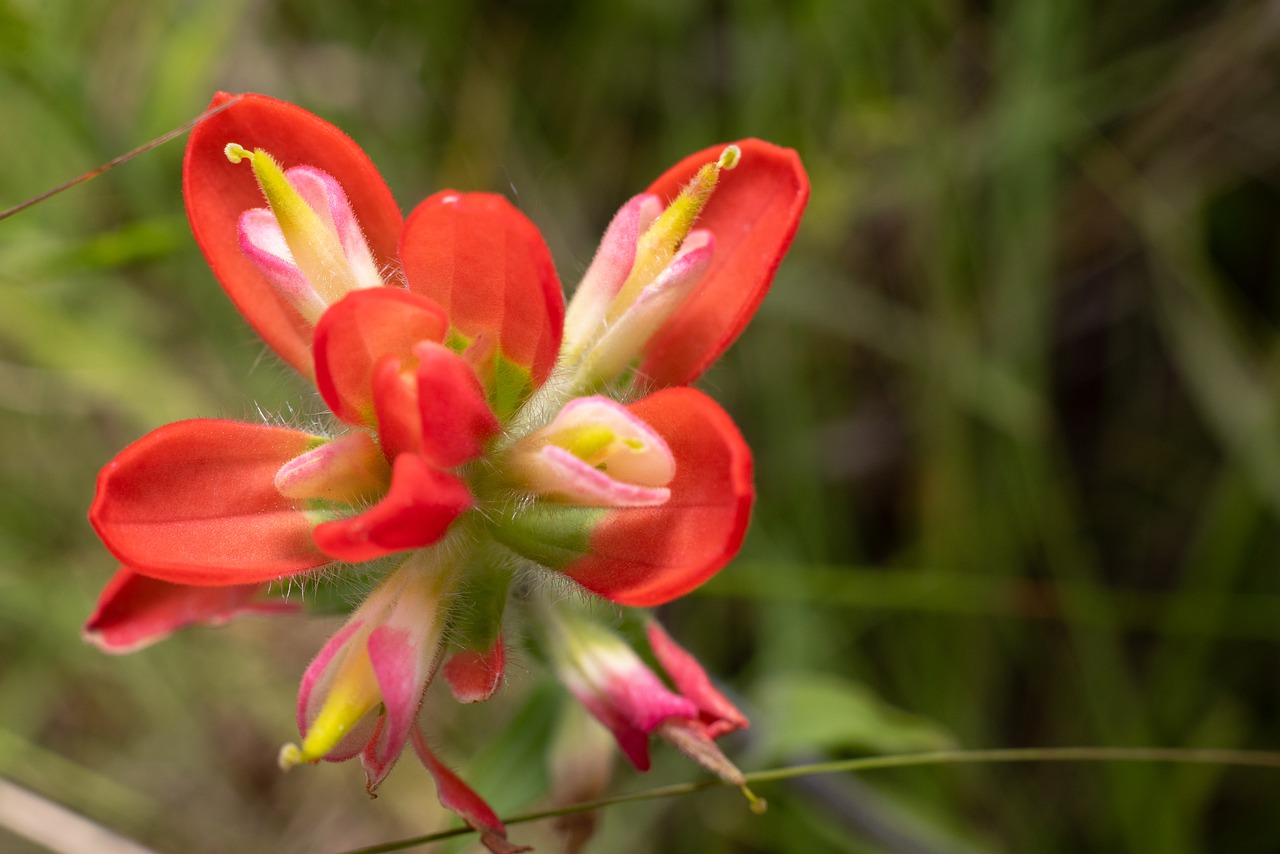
(649, 555)
(195, 503)
(218, 191)
(462, 799)
(487, 265)
(753, 214)
(135, 611)
(357, 332)
(416, 512)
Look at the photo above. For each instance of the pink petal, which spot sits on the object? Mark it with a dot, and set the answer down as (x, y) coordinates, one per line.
(629, 469)
(642, 699)
(651, 465)
(404, 651)
(625, 339)
(614, 684)
(329, 200)
(345, 469)
(714, 709)
(555, 472)
(402, 676)
(584, 317)
(632, 741)
(264, 244)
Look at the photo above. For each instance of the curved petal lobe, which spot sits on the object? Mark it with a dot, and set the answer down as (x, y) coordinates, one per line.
(416, 512)
(456, 420)
(360, 330)
(715, 712)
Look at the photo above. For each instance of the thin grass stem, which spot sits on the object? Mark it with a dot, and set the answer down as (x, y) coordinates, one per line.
(1163, 755)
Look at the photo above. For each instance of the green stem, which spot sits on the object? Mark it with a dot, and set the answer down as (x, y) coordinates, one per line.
(1169, 755)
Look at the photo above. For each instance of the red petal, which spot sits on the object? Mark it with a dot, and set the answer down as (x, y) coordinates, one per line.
(462, 799)
(753, 214)
(475, 676)
(395, 401)
(416, 511)
(359, 330)
(195, 503)
(135, 611)
(217, 191)
(650, 555)
(456, 420)
(486, 264)
(439, 411)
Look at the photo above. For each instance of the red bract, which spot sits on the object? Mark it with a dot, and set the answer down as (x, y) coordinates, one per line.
(463, 409)
(196, 503)
(217, 192)
(135, 611)
(754, 215)
(488, 267)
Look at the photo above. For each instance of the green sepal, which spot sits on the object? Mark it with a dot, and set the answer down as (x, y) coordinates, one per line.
(550, 534)
(507, 383)
(512, 385)
(342, 590)
(484, 590)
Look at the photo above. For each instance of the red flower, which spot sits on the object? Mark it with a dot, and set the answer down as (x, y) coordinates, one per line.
(464, 409)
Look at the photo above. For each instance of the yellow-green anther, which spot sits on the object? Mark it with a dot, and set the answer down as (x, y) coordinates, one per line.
(660, 242)
(314, 243)
(586, 442)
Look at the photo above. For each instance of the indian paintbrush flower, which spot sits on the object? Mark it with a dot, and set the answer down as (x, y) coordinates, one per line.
(480, 434)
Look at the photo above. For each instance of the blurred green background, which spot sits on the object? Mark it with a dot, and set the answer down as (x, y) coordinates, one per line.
(1014, 399)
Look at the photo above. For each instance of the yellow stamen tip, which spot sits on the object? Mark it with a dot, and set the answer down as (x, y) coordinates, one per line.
(758, 804)
(290, 755)
(236, 152)
(729, 157)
